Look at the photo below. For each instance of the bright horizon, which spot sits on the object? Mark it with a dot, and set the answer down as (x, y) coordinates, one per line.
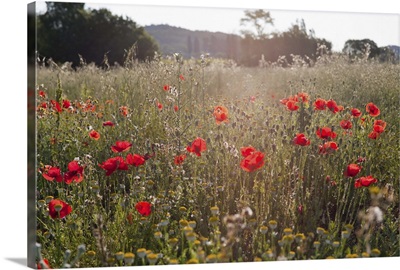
(336, 27)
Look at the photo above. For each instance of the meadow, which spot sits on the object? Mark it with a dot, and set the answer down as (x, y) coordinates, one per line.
(179, 161)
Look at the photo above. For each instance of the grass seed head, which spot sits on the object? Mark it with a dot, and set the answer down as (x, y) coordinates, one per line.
(272, 224)
(141, 252)
(129, 257)
(119, 256)
(152, 258)
(375, 252)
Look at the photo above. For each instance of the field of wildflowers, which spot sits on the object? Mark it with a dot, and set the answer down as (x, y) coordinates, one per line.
(200, 161)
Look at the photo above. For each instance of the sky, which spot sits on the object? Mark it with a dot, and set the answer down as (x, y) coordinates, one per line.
(13, 70)
(335, 25)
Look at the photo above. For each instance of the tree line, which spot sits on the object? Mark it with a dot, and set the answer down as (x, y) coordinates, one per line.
(69, 32)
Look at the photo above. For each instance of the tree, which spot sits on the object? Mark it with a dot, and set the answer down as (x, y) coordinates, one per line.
(287, 45)
(259, 19)
(67, 30)
(360, 48)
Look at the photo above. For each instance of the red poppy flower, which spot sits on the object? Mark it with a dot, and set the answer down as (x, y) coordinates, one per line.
(176, 108)
(166, 87)
(181, 77)
(320, 104)
(294, 99)
(159, 106)
(87, 106)
(42, 94)
(373, 135)
(301, 139)
(74, 174)
(94, 134)
(46, 263)
(66, 103)
(220, 114)
(380, 123)
(252, 162)
(63, 208)
(135, 160)
(121, 146)
(108, 124)
(352, 170)
(284, 101)
(379, 126)
(325, 133)
(346, 124)
(178, 160)
(144, 208)
(52, 173)
(332, 106)
(56, 105)
(124, 110)
(379, 129)
(328, 147)
(112, 164)
(292, 105)
(248, 150)
(198, 146)
(355, 112)
(303, 96)
(372, 109)
(42, 105)
(365, 181)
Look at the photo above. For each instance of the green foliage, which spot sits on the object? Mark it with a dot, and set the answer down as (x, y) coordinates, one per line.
(361, 48)
(67, 30)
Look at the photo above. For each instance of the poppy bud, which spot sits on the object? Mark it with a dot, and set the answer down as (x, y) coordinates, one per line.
(300, 209)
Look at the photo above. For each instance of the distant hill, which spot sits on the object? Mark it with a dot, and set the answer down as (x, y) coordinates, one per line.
(395, 49)
(189, 43)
